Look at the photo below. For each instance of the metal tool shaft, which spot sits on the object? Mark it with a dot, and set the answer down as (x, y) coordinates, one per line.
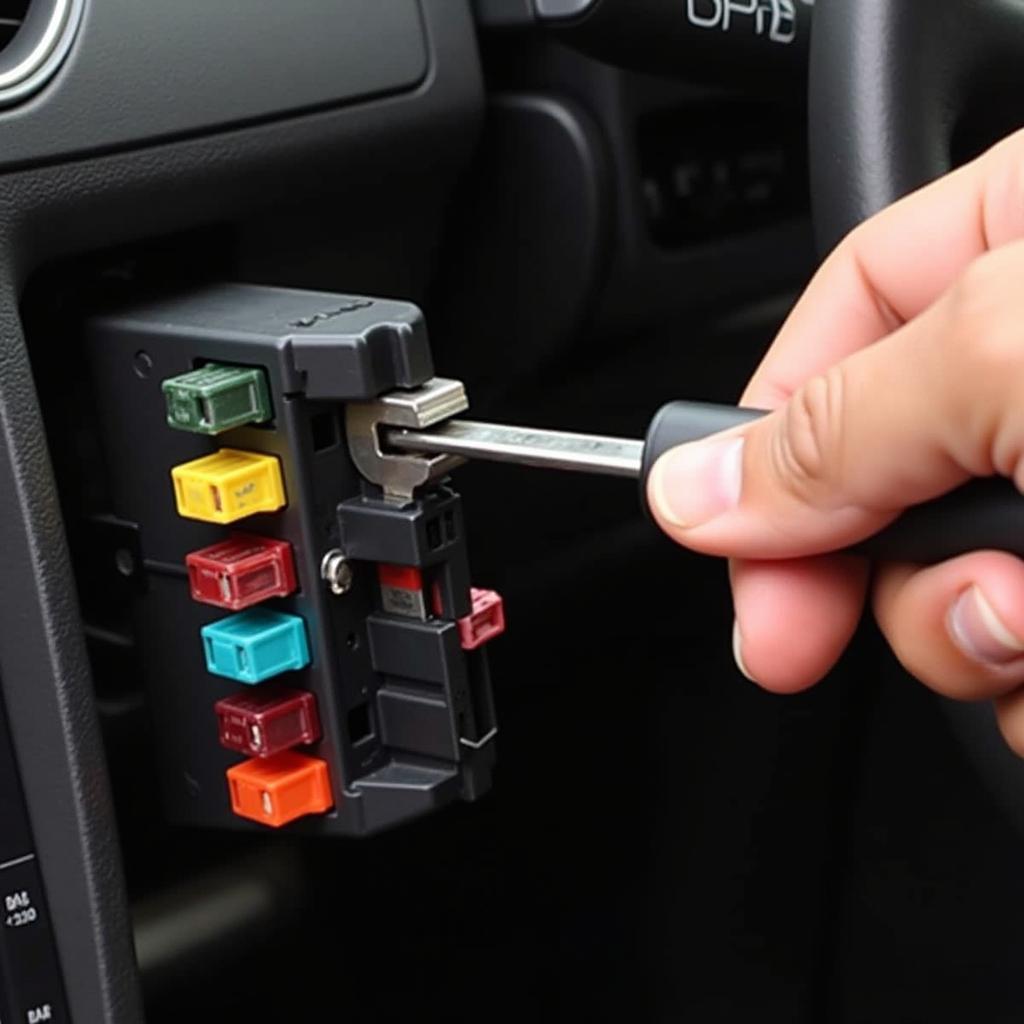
(981, 515)
(524, 446)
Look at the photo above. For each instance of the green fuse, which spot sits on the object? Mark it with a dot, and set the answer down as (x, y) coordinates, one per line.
(216, 398)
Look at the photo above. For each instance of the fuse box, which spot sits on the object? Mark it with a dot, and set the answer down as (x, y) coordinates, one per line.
(310, 649)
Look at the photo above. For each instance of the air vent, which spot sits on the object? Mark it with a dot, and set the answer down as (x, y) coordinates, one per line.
(34, 38)
(12, 14)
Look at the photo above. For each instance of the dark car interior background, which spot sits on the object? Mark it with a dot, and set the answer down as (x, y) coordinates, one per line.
(588, 237)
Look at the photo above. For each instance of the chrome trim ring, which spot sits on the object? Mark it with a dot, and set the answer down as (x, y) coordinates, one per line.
(38, 48)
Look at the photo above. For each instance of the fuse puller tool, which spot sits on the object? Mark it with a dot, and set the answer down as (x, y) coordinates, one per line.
(984, 514)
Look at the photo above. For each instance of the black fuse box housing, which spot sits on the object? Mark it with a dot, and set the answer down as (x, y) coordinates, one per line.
(318, 351)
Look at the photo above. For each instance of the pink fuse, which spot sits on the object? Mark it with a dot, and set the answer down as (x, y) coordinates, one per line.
(484, 622)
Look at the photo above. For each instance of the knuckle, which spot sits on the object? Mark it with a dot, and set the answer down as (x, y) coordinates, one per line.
(983, 317)
(808, 444)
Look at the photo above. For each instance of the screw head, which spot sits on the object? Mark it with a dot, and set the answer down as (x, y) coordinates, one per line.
(336, 572)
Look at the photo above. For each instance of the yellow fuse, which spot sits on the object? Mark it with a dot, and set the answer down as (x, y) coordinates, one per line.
(228, 485)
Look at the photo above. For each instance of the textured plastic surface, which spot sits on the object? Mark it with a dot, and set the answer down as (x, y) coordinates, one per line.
(325, 345)
(52, 712)
(557, 170)
(49, 211)
(30, 978)
(543, 177)
(255, 645)
(193, 66)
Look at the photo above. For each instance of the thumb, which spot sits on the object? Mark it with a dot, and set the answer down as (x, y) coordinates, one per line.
(896, 424)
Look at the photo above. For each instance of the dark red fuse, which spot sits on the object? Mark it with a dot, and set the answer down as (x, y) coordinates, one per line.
(484, 622)
(265, 722)
(241, 571)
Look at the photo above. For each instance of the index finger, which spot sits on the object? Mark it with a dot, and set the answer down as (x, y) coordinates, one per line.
(893, 267)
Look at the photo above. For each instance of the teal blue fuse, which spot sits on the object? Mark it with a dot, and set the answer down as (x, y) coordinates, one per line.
(255, 645)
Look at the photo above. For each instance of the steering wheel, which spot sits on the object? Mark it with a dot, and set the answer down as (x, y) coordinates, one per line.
(900, 92)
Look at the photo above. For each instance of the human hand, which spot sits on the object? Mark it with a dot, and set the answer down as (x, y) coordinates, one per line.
(898, 377)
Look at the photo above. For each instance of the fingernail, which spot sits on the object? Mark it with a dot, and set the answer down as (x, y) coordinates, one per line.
(695, 483)
(979, 632)
(737, 651)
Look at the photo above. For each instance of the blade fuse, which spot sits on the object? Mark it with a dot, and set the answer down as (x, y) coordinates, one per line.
(216, 398)
(265, 722)
(241, 571)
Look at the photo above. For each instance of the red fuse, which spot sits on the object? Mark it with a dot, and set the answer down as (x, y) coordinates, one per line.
(241, 571)
(401, 591)
(265, 722)
(484, 622)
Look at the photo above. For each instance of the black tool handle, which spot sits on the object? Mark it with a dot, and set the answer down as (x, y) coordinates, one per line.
(981, 515)
(764, 43)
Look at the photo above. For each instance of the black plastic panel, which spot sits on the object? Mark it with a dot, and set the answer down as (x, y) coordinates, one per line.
(132, 351)
(702, 184)
(30, 980)
(146, 69)
(237, 177)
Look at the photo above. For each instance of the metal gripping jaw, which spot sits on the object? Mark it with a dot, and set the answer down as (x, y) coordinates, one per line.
(397, 473)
